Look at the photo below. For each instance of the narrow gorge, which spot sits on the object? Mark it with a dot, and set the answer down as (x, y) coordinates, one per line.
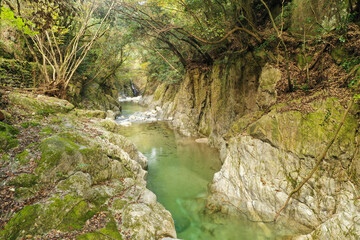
(186, 119)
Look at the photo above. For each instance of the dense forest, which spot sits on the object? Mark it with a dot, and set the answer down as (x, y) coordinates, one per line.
(76, 43)
(273, 85)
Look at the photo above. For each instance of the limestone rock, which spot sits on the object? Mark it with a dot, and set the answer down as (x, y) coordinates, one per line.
(41, 104)
(202, 140)
(148, 221)
(267, 86)
(90, 113)
(110, 115)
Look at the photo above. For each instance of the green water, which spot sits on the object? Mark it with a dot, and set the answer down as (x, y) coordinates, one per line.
(179, 173)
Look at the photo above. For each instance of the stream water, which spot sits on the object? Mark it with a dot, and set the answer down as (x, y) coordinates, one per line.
(179, 173)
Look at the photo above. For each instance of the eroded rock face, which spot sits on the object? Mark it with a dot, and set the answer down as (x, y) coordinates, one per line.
(275, 154)
(208, 102)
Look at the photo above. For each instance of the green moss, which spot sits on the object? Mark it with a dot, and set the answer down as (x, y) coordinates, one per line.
(23, 158)
(306, 133)
(45, 112)
(60, 145)
(118, 203)
(64, 214)
(7, 137)
(56, 120)
(47, 130)
(29, 124)
(26, 192)
(159, 92)
(90, 113)
(240, 125)
(109, 232)
(5, 158)
(54, 151)
(42, 105)
(92, 236)
(7, 128)
(75, 137)
(24, 180)
(76, 218)
(23, 220)
(98, 196)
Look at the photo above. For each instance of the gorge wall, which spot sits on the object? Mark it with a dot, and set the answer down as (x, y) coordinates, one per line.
(269, 146)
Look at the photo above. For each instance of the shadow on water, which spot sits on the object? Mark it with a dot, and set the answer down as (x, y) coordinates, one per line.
(179, 173)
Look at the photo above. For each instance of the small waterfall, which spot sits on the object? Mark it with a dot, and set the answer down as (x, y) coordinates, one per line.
(134, 90)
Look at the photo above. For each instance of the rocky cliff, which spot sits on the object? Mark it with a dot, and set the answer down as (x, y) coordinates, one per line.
(269, 146)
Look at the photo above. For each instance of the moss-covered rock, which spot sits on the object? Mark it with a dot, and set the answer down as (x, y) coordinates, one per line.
(110, 125)
(40, 104)
(66, 214)
(24, 180)
(109, 232)
(62, 157)
(267, 86)
(23, 158)
(59, 157)
(7, 137)
(22, 193)
(308, 133)
(8, 118)
(79, 183)
(160, 92)
(26, 218)
(90, 113)
(76, 217)
(240, 125)
(303, 16)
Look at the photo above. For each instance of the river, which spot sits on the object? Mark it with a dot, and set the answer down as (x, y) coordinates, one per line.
(179, 173)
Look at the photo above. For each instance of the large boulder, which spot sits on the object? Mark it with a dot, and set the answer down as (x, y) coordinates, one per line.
(62, 157)
(40, 104)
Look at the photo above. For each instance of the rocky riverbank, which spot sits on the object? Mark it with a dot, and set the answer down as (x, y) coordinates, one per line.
(268, 146)
(67, 174)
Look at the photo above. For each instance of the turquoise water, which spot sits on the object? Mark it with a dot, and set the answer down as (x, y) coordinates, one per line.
(179, 173)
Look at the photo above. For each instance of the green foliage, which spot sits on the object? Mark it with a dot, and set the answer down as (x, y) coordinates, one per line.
(20, 24)
(349, 63)
(354, 82)
(305, 87)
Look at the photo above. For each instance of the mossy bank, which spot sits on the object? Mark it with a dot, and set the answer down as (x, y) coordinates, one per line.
(67, 176)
